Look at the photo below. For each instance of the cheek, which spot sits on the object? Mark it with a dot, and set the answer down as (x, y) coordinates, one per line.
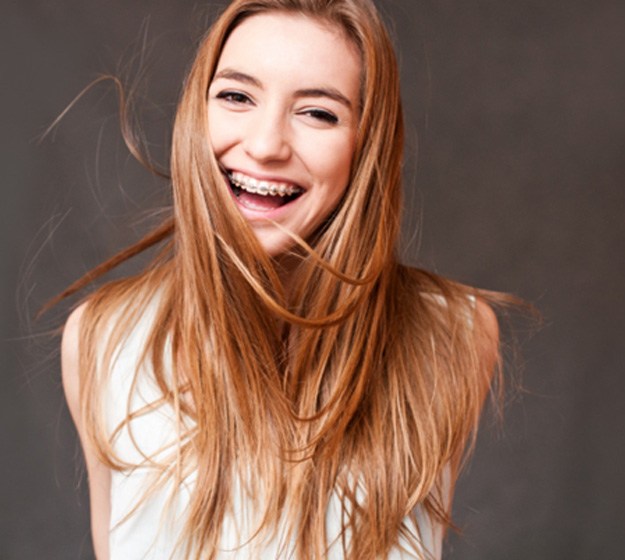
(336, 179)
(218, 131)
(334, 163)
(332, 160)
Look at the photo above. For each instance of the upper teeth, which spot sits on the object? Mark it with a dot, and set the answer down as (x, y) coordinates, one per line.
(264, 188)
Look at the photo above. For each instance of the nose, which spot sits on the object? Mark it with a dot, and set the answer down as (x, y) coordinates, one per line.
(267, 136)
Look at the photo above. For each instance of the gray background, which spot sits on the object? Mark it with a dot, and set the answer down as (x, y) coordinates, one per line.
(517, 106)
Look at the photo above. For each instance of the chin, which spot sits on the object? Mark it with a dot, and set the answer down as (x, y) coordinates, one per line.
(276, 247)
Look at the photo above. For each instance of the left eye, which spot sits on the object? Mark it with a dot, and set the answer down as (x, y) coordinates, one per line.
(321, 115)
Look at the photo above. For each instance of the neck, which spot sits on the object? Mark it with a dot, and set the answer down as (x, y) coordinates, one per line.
(286, 266)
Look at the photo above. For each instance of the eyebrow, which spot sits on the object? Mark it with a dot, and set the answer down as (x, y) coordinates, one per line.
(230, 74)
(328, 92)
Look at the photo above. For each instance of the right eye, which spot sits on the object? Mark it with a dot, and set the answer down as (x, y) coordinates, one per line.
(235, 97)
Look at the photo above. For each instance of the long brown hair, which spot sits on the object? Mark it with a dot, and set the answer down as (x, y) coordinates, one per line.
(365, 381)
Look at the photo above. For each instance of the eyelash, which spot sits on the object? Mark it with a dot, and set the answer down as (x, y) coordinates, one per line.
(322, 115)
(238, 98)
(233, 97)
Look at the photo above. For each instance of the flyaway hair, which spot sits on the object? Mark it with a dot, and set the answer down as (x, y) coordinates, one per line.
(365, 381)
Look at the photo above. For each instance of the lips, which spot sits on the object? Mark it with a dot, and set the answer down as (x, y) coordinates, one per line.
(262, 195)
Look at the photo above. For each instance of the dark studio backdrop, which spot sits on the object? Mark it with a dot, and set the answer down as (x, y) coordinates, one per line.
(516, 109)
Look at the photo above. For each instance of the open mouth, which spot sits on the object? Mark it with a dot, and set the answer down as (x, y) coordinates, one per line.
(261, 195)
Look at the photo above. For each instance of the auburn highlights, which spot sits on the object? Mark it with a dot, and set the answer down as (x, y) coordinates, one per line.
(360, 384)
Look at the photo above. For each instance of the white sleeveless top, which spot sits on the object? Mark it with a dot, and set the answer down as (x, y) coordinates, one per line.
(151, 530)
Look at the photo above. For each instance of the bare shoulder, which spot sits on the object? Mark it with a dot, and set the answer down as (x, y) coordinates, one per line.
(71, 332)
(99, 475)
(70, 353)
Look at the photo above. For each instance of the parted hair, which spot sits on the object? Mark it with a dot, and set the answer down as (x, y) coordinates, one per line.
(364, 381)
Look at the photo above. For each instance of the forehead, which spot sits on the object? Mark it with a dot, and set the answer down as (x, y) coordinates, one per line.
(305, 47)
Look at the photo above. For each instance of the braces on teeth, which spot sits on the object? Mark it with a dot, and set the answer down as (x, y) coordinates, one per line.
(264, 188)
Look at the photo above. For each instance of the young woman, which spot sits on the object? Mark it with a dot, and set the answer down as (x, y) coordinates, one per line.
(275, 384)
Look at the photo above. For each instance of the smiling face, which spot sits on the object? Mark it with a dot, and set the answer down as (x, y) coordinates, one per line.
(283, 113)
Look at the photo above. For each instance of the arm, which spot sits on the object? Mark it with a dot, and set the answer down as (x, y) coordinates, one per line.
(487, 329)
(99, 475)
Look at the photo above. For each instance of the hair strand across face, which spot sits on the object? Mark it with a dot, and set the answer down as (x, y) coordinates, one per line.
(363, 382)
